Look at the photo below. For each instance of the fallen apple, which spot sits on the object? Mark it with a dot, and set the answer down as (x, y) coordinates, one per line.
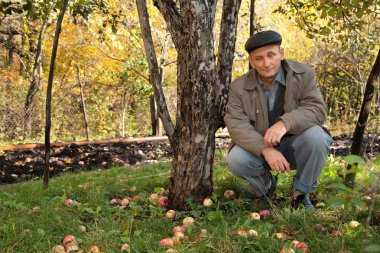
(67, 239)
(59, 163)
(177, 241)
(179, 234)
(203, 233)
(114, 201)
(354, 224)
(58, 249)
(188, 222)
(242, 232)
(68, 202)
(171, 250)
(82, 228)
(93, 249)
(167, 242)
(81, 163)
(301, 245)
(154, 196)
(207, 202)
(163, 201)
(124, 247)
(228, 194)
(287, 250)
(124, 202)
(71, 246)
(254, 216)
(104, 164)
(264, 213)
(179, 229)
(252, 232)
(170, 214)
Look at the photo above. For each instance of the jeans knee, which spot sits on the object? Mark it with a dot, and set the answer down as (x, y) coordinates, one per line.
(315, 139)
(243, 164)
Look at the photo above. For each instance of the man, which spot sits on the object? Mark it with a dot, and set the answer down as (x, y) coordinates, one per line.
(274, 117)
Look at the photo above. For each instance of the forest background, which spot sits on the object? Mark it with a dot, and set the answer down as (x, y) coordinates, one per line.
(101, 88)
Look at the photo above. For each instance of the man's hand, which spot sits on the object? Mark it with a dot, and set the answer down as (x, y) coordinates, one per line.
(276, 160)
(274, 134)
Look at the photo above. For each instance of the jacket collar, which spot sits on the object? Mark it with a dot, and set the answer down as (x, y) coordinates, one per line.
(252, 81)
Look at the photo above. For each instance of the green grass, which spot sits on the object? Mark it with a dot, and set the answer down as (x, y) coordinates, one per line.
(35, 220)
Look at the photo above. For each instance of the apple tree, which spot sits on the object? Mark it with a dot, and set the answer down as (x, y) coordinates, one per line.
(202, 87)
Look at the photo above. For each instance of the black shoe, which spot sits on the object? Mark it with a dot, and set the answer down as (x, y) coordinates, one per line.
(304, 200)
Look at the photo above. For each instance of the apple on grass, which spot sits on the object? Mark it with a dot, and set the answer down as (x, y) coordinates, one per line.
(264, 213)
(228, 194)
(68, 202)
(93, 249)
(188, 222)
(167, 242)
(179, 229)
(163, 201)
(124, 247)
(170, 214)
(254, 216)
(207, 202)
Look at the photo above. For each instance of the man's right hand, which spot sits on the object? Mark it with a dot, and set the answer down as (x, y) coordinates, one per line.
(276, 160)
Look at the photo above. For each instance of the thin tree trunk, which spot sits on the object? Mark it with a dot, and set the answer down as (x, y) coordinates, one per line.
(83, 105)
(155, 78)
(363, 117)
(251, 22)
(36, 83)
(49, 92)
(124, 108)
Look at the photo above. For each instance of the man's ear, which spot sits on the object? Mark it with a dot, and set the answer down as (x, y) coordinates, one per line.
(282, 55)
(250, 57)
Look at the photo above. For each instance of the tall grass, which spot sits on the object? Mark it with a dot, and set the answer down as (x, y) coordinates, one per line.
(35, 220)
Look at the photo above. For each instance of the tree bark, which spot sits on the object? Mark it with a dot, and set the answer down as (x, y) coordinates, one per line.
(83, 105)
(363, 117)
(49, 92)
(202, 89)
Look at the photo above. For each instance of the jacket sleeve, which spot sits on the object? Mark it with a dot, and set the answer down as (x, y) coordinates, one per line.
(311, 110)
(242, 133)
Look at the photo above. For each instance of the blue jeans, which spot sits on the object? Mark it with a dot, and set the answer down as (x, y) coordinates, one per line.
(306, 152)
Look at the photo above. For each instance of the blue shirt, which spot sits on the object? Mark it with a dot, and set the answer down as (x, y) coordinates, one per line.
(270, 95)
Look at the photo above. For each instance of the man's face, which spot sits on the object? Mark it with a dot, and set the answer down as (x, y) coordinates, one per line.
(267, 60)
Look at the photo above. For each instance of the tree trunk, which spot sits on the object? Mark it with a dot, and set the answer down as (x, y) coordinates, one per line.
(201, 90)
(49, 92)
(363, 117)
(36, 79)
(83, 105)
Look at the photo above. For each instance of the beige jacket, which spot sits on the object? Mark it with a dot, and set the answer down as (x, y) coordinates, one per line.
(247, 115)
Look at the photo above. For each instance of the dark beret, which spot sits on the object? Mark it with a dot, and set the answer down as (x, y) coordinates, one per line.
(261, 39)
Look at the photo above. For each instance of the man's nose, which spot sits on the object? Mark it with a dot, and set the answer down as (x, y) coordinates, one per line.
(266, 62)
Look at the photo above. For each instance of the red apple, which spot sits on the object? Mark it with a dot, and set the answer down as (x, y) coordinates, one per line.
(59, 163)
(229, 194)
(124, 247)
(114, 201)
(124, 202)
(302, 245)
(68, 202)
(163, 201)
(207, 202)
(242, 232)
(179, 229)
(264, 213)
(167, 242)
(104, 164)
(81, 163)
(68, 239)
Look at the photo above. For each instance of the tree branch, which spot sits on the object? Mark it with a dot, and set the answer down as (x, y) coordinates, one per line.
(155, 78)
(171, 14)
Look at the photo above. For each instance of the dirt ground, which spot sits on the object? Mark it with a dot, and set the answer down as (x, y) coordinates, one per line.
(22, 165)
